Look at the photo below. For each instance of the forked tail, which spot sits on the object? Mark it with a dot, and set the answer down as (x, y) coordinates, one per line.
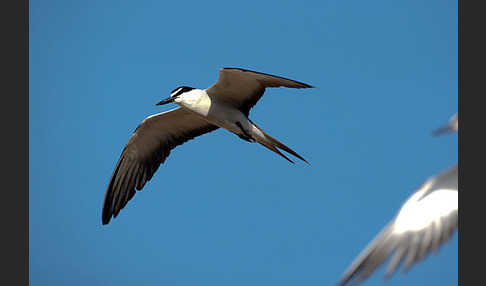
(272, 144)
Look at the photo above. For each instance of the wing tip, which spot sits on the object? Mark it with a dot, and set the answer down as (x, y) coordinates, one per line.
(106, 211)
(342, 281)
(105, 217)
(349, 279)
(303, 85)
(105, 221)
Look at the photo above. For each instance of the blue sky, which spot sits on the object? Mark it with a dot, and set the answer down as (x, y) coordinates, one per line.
(222, 211)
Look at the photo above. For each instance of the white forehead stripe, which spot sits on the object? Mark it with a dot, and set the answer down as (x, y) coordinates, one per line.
(175, 92)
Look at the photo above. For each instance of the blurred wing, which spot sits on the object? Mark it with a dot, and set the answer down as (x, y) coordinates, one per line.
(243, 88)
(146, 149)
(451, 126)
(426, 221)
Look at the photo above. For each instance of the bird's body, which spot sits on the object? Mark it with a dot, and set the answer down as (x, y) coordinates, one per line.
(226, 104)
(214, 111)
(424, 222)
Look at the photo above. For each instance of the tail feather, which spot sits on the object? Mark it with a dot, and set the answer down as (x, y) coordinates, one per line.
(271, 143)
(271, 147)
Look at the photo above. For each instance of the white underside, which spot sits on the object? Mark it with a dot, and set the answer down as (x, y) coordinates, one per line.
(217, 113)
(418, 214)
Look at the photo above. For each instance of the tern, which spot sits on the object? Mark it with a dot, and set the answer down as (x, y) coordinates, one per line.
(452, 126)
(425, 222)
(225, 104)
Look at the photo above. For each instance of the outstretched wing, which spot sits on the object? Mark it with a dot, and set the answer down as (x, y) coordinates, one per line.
(146, 149)
(243, 88)
(426, 221)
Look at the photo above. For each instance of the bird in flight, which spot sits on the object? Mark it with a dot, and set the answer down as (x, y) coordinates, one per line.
(452, 126)
(425, 222)
(225, 104)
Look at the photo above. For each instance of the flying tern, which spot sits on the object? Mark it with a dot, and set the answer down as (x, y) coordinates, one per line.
(452, 126)
(425, 222)
(225, 104)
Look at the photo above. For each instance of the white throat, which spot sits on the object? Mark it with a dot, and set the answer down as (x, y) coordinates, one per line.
(196, 100)
(190, 96)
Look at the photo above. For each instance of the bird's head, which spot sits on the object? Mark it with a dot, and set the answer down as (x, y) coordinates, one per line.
(175, 94)
(451, 126)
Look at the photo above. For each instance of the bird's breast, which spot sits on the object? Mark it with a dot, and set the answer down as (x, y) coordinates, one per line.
(200, 104)
(214, 111)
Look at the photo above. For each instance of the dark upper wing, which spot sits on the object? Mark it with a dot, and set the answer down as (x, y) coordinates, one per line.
(426, 220)
(243, 88)
(146, 149)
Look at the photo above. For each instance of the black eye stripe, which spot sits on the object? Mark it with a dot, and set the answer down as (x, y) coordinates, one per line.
(180, 90)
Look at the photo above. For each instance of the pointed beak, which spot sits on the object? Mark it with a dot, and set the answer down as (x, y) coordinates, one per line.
(443, 130)
(165, 101)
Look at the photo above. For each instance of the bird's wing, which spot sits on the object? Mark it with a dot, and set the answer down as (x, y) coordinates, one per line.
(426, 220)
(451, 126)
(146, 149)
(243, 88)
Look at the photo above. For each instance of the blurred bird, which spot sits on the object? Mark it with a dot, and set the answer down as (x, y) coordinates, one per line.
(452, 126)
(425, 221)
(225, 104)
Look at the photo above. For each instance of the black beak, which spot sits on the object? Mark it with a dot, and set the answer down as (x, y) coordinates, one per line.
(165, 101)
(442, 130)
